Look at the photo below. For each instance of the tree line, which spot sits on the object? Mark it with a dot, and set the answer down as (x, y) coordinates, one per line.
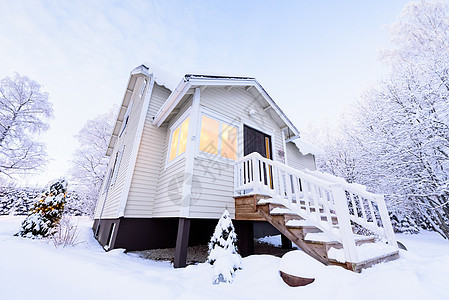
(395, 137)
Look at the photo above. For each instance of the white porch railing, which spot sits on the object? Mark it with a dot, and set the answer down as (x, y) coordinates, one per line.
(323, 200)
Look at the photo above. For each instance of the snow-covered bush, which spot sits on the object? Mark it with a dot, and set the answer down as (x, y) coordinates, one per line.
(46, 212)
(403, 224)
(66, 233)
(223, 254)
(20, 200)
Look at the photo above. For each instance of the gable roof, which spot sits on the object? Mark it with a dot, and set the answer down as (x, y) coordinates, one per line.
(194, 80)
(161, 76)
(179, 89)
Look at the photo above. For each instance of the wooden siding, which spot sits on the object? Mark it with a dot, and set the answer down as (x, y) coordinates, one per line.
(235, 104)
(142, 193)
(213, 182)
(128, 139)
(212, 189)
(296, 160)
(169, 187)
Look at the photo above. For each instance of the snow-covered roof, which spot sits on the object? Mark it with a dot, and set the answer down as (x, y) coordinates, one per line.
(306, 147)
(163, 77)
(195, 80)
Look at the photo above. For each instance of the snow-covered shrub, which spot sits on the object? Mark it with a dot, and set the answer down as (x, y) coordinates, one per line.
(223, 254)
(20, 200)
(46, 212)
(16, 201)
(403, 224)
(66, 233)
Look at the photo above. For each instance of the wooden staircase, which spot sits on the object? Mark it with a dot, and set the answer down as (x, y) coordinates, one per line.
(316, 212)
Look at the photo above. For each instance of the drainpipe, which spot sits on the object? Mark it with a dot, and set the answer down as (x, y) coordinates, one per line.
(104, 203)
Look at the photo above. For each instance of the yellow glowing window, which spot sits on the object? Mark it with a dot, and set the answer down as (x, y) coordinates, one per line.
(183, 137)
(179, 140)
(229, 141)
(218, 138)
(209, 135)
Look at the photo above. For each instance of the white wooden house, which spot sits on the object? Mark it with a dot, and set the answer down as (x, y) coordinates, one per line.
(183, 152)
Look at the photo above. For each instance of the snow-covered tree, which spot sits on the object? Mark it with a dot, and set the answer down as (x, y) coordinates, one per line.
(403, 223)
(223, 254)
(90, 161)
(46, 212)
(395, 139)
(24, 111)
(340, 157)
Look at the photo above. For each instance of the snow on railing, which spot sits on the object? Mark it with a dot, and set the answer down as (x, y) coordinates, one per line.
(326, 201)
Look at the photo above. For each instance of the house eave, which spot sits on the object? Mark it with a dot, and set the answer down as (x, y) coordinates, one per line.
(193, 81)
(171, 102)
(135, 73)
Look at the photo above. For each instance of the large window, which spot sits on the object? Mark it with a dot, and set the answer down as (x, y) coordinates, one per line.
(178, 142)
(218, 138)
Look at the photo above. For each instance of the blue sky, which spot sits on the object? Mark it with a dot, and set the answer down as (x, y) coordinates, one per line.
(313, 57)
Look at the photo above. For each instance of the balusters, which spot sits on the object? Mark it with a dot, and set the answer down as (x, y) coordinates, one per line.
(305, 187)
(327, 210)
(256, 174)
(276, 180)
(362, 205)
(281, 184)
(295, 181)
(246, 181)
(354, 208)
(288, 186)
(373, 215)
(315, 202)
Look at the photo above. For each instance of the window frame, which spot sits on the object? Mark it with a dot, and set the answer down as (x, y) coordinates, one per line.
(116, 165)
(126, 118)
(172, 128)
(107, 181)
(221, 120)
(142, 88)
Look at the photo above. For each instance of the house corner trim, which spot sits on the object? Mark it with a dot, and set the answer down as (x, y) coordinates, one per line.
(135, 151)
(190, 156)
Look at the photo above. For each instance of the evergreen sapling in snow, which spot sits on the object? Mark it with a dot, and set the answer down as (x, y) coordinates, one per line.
(223, 254)
(403, 223)
(46, 212)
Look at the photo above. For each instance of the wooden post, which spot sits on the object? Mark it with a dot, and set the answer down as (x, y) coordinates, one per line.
(256, 175)
(286, 243)
(245, 236)
(190, 155)
(344, 223)
(182, 241)
(386, 222)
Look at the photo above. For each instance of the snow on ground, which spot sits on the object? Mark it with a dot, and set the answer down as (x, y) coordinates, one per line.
(274, 240)
(32, 269)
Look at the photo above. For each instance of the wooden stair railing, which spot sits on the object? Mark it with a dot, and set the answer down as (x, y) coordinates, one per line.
(309, 203)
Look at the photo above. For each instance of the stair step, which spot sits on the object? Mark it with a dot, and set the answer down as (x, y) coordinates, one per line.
(303, 224)
(268, 201)
(281, 211)
(323, 238)
(297, 223)
(366, 253)
(292, 217)
(320, 238)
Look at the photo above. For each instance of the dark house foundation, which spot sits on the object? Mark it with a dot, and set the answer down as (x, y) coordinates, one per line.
(135, 234)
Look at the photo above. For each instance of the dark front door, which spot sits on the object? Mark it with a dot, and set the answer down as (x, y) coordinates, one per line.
(257, 141)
